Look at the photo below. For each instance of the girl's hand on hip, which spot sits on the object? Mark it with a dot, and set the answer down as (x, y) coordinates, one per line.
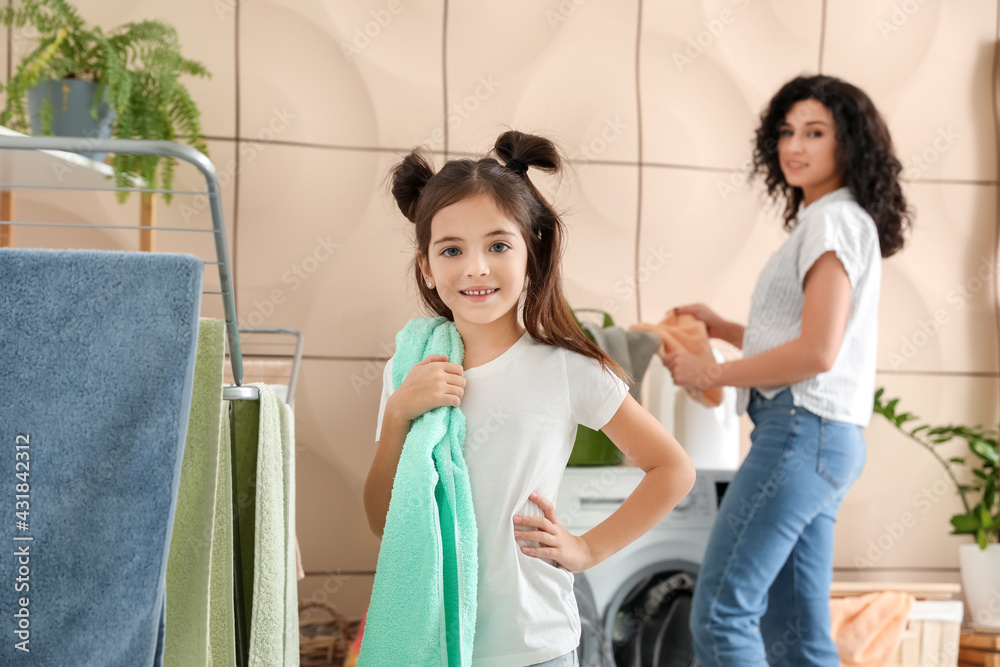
(570, 551)
(689, 370)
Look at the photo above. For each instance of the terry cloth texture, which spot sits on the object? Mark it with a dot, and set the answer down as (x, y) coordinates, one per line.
(423, 606)
(189, 566)
(96, 375)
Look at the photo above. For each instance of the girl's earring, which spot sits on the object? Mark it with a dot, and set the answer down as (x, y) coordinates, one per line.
(430, 285)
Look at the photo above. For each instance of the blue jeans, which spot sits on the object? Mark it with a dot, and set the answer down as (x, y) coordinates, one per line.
(763, 592)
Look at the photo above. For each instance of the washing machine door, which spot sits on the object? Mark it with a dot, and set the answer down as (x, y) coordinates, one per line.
(651, 627)
(594, 650)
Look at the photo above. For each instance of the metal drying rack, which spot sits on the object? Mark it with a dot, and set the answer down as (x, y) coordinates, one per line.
(66, 154)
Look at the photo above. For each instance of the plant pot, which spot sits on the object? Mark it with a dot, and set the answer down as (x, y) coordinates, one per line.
(981, 584)
(593, 448)
(71, 101)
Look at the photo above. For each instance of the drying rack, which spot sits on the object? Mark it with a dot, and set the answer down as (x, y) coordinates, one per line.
(67, 151)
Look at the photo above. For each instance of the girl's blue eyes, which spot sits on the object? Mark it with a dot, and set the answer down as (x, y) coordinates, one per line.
(498, 247)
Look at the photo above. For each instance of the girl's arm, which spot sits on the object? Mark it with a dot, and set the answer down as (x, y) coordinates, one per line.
(826, 298)
(432, 382)
(378, 485)
(668, 479)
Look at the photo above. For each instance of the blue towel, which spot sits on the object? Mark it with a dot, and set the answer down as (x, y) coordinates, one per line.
(97, 354)
(423, 606)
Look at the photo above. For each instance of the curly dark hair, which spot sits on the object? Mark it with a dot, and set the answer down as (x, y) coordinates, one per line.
(864, 152)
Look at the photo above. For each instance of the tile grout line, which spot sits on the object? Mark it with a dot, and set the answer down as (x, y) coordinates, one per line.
(444, 76)
(996, 224)
(879, 371)
(605, 163)
(639, 169)
(236, 176)
(822, 35)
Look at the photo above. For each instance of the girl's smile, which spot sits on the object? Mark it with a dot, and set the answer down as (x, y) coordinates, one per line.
(477, 261)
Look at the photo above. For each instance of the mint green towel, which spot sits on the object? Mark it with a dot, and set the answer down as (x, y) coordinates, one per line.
(188, 566)
(423, 606)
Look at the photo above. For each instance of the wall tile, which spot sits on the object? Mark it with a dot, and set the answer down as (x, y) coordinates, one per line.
(897, 514)
(537, 70)
(313, 255)
(709, 68)
(937, 310)
(348, 74)
(928, 66)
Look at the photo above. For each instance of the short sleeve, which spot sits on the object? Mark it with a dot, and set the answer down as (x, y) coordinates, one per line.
(386, 391)
(595, 394)
(841, 229)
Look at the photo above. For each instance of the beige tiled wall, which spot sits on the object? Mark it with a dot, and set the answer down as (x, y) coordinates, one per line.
(655, 103)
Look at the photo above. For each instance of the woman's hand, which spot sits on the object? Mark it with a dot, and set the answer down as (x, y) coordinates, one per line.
(570, 551)
(715, 324)
(432, 382)
(689, 370)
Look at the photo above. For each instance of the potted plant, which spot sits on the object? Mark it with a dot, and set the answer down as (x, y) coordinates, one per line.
(126, 79)
(980, 561)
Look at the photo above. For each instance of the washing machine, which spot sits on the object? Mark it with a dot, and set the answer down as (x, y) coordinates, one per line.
(634, 606)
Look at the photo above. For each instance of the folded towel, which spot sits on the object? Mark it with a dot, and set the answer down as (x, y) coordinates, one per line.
(423, 606)
(222, 626)
(631, 350)
(869, 628)
(264, 450)
(685, 333)
(189, 566)
(291, 543)
(96, 376)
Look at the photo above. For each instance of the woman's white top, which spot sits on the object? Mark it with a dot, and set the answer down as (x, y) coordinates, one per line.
(837, 223)
(521, 412)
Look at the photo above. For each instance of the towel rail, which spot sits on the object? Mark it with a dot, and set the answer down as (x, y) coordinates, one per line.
(167, 149)
(66, 150)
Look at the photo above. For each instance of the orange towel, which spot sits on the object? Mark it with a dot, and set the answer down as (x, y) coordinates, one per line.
(869, 628)
(685, 333)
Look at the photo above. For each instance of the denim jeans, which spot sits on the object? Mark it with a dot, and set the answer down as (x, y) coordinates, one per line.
(763, 592)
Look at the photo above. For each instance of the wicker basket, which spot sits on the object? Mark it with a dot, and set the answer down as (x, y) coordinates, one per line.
(323, 642)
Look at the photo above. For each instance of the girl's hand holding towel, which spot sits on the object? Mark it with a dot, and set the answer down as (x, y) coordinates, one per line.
(432, 382)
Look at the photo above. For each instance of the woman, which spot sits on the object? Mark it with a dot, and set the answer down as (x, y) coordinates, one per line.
(806, 378)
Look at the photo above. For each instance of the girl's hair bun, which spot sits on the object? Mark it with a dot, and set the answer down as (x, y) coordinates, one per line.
(408, 179)
(528, 150)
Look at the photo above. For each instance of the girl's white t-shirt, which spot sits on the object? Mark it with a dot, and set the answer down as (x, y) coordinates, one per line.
(521, 411)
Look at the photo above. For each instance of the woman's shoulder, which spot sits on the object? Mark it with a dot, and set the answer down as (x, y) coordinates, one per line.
(840, 205)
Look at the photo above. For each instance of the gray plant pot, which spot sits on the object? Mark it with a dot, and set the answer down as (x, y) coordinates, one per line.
(71, 102)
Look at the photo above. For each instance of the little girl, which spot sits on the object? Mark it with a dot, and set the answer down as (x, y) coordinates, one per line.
(488, 252)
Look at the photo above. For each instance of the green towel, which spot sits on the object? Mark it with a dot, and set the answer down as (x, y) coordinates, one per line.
(291, 571)
(265, 446)
(423, 606)
(222, 628)
(187, 625)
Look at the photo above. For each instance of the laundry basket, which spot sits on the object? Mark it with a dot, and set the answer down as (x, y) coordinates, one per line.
(932, 635)
(324, 635)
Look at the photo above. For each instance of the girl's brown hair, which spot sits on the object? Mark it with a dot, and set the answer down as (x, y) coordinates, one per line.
(421, 193)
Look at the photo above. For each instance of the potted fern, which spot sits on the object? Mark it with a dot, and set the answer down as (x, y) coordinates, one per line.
(126, 80)
(980, 561)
